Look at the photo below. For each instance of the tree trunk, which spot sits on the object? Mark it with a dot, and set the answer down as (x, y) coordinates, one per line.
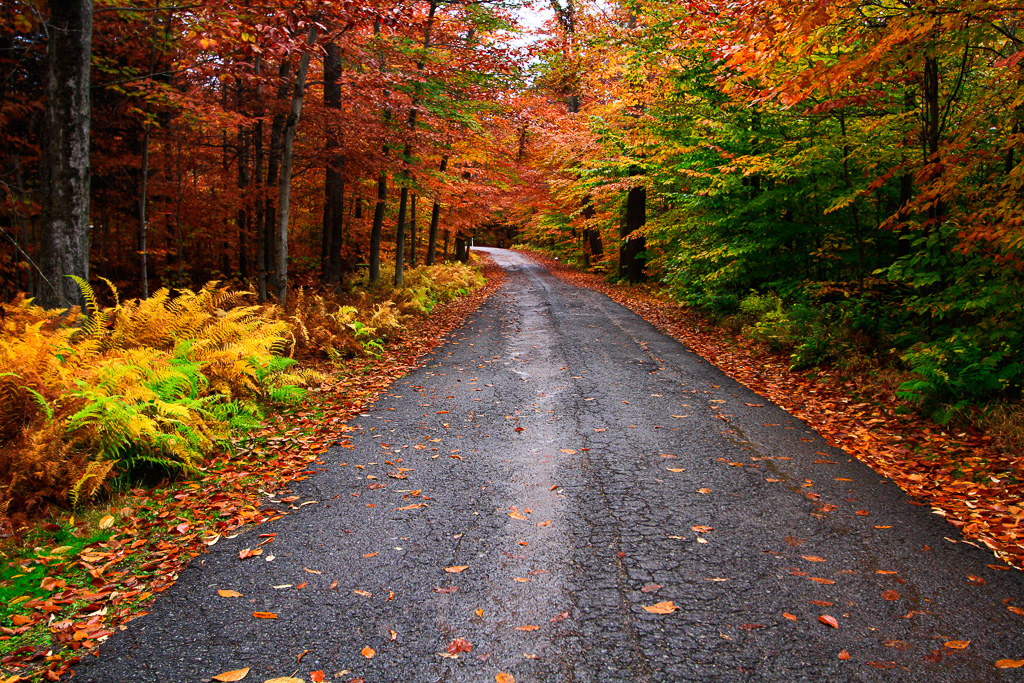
(413, 236)
(285, 185)
(631, 259)
(243, 208)
(65, 153)
(273, 174)
(334, 183)
(382, 182)
(435, 218)
(143, 182)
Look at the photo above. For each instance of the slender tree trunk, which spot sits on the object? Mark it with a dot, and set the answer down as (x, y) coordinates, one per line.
(377, 228)
(273, 174)
(435, 218)
(287, 147)
(412, 233)
(260, 236)
(65, 154)
(447, 234)
(143, 182)
(177, 206)
(243, 208)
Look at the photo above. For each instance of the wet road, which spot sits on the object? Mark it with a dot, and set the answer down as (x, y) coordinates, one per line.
(581, 465)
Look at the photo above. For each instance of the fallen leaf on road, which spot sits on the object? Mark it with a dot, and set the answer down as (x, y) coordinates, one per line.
(843, 654)
(286, 679)
(821, 603)
(264, 615)
(701, 529)
(890, 595)
(976, 580)
(229, 594)
(249, 552)
(749, 627)
(316, 676)
(569, 451)
(1016, 610)
(459, 645)
(1010, 663)
(862, 513)
(791, 617)
(364, 557)
(814, 558)
(520, 579)
(456, 569)
(528, 627)
(650, 588)
(315, 571)
(368, 652)
(667, 607)
(236, 675)
(816, 579)
(704, 490)
(831, 621)
(546, 522)
(559, 617)
(675, 469)
(957, 644)
(502, 677)
(365, 594)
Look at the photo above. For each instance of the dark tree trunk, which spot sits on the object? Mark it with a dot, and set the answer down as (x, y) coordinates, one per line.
(435, 218)
(378, 226)
(447, 235)
(273, 172)
(631, 259)
(334, 185)
(461, 250)
(413, 236)
(65, 154)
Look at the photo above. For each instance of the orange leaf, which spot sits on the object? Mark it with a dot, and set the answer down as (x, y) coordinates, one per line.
(502, 677)
(264, 615)
(1016, 610)
(316, 676)
(528, 627)
(701, 529)
(459, 645)
(667, 607)
(456, 569)
(862, 513)
(844, 654)
(791, 617)
(229, 594)
(831, 621)
(368, 652)
(890, 595)
(21, 620)
(569, 451)
(814, 558)
(816, 579)
(957, 644)
(546, 522)
(1010, 663)
(236, 675)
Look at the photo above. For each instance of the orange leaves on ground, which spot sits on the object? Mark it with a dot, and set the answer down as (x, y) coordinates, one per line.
(249, 552)
(1010, 663)
(264, 615)
(1016, 610)
(828, 621)
(666, 607)
(890, 595)
(957, 644)
(236, 675)
(502, 677)
(569, 451)
(457, 569)
(317, 676)
(367, 555)
(704, 490)
(546, 522)
(791, 617)
(814, 558)
(844, 655)
(368, 652)
(818, 579)
(701, 529)
(228, 593)
(528, 627)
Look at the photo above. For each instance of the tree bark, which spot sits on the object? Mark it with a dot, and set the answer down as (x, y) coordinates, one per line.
(382, 182)
(334, 184)
(285, 185)
(273, 174)
(435, 218)
(65, 153)
(631, 259)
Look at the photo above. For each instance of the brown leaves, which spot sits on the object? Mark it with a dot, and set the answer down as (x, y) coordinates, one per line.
(666, 607)
(236, 675)
(249, 552)
(890, 595)
(828, 620)
(459, 645)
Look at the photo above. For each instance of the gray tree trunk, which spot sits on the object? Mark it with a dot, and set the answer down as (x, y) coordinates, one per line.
(65, 153)
(285, 186)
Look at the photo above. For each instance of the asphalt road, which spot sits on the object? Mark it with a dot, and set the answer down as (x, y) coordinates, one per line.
(581, 465)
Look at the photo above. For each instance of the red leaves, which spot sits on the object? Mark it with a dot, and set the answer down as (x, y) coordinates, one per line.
(459, 645)
(828, 620)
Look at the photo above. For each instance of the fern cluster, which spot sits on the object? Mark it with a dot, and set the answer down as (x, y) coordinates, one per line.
(156, 382)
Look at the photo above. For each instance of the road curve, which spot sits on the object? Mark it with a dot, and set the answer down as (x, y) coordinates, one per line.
(582, 466)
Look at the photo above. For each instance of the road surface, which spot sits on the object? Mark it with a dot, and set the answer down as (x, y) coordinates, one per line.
(582, 467)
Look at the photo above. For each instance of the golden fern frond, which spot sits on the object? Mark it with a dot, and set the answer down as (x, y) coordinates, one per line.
(96, 472)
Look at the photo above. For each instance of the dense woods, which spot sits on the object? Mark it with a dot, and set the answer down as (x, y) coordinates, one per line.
(842, 178)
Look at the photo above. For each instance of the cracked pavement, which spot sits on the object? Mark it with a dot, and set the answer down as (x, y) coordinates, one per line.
(581, 465)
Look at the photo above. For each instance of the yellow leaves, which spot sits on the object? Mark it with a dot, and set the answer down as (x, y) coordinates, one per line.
(106, 521)
(227, 593)
(229, 676)
(666, 607)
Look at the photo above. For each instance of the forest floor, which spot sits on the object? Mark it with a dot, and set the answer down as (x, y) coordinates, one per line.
(960, 473)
